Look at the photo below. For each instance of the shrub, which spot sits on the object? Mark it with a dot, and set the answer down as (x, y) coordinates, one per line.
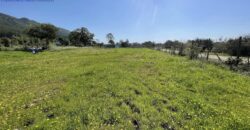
(5, 42)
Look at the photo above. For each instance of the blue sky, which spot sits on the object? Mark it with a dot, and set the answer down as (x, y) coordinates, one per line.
(141, 20)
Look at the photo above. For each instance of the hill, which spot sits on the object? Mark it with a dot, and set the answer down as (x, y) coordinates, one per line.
(10, 24)
(119, 89)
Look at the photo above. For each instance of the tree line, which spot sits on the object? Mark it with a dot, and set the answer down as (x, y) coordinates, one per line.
(41, 36)
(235, 49)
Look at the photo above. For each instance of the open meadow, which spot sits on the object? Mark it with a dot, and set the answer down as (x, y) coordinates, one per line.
(88, 88)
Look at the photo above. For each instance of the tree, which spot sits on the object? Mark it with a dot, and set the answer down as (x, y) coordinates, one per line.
(194, 50)
(124, 43)
(112, 42)
(97, 43)
(220, 47)
(245, 50)
(148, 44)
(168, 44)
(110, 38)
(181, 50)
(135, 45)
(206, 45)
(234, 48)
(81, 37)
(45, 32)
(63, 41)
(48, 32)
(5, 42)
(174, 46)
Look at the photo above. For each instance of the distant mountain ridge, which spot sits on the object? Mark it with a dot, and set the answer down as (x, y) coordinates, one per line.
(10, 24)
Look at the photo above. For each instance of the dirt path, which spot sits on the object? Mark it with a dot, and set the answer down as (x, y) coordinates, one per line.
(223, 58)
(212, 56)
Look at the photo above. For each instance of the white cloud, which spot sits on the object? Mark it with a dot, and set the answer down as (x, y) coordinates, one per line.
(154, 14)
(147, 11)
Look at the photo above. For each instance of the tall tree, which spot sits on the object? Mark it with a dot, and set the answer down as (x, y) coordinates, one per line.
(45, 32)
(81, 37)
(110, 38)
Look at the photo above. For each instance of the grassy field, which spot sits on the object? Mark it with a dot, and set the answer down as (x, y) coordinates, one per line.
(119, 89)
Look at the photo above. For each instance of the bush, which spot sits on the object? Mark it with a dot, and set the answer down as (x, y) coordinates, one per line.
(124, 43)
(63, 42)
(194, 51)
(233, 61)
(109, 46)
(148, 44)
(5, 42)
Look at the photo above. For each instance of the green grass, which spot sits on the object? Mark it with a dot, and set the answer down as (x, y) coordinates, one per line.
(119, 89)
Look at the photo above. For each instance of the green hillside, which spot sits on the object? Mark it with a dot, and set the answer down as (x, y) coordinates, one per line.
(9, 24)
(119, 89)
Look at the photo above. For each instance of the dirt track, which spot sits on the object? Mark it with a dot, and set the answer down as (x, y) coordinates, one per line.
(213, 57)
